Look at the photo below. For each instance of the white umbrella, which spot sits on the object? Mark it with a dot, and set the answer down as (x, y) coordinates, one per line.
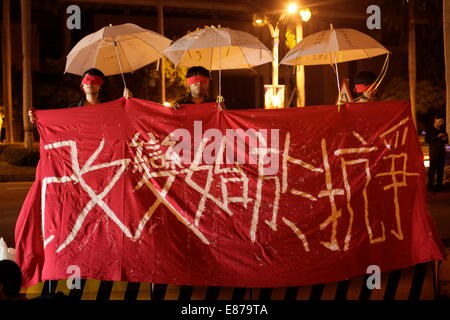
(332, 47)
(116, 49)
(218, 49)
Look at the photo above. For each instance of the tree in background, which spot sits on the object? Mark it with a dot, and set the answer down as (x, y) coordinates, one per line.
(430, 97)
(416, 24)
(175, 80)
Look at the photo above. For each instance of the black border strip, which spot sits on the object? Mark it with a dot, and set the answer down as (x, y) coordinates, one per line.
(317, 291)
(158, 292)
(418, 281)
(132, 291)
(392, 284)
(186, 293)
(104, 290)
(342, 289)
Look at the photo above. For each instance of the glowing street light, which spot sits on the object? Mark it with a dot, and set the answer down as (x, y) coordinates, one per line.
(292, 8)
(274, 94)
(305, 14)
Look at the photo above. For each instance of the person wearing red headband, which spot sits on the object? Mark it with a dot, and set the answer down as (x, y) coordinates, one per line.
(363, 81)
(197, 80)
(91, 84)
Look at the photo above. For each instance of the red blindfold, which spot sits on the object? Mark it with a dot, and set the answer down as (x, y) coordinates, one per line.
(360, 88)
(195, 79)
(89, 79)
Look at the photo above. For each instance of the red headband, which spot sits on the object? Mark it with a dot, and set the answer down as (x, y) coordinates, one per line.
(195, 79)
(360, 88)
(90, 79)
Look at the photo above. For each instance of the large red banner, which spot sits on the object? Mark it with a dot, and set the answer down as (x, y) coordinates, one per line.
(129, 190)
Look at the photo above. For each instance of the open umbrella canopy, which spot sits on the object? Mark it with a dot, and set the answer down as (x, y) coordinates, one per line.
(116, 49)
(218, 49)
(333, 46)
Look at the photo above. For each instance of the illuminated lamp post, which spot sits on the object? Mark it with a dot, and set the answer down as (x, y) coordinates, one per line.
(274, 93)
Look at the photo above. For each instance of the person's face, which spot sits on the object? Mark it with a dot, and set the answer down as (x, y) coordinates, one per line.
(91, 88)
(438, 122)
(199, 89)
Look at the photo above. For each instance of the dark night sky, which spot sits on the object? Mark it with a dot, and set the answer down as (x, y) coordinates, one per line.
(48, 17)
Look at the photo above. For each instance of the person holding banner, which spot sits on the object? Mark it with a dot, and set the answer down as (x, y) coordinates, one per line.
(91, 85)
(362, 86)
(437, 138)
(197, 80)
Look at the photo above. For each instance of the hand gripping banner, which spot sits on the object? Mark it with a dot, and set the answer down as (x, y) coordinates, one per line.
(132, 191)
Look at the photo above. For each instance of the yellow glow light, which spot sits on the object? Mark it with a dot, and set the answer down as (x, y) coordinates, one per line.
(167, 104)
(305, 14)
(259, 21)
(274, 96)
(292, 8)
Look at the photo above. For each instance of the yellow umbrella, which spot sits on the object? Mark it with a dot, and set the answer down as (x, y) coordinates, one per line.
(116, 49)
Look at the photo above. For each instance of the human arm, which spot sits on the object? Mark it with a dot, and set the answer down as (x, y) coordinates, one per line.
(174, 105)
(443, 136)
(31, 116)
(127, 93)
(431, 137)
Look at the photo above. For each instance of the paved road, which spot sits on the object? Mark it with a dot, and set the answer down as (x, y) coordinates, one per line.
(12, 195)
(439, 206)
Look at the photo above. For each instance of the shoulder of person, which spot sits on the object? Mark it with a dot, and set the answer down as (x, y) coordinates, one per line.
(80, 103)
(208, 99)
(184, 100)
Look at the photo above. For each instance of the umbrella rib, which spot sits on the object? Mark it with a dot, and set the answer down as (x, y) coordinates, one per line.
(137, 37)
(76, 61)
(334, 33)
(96, 54)
(245, 58)
(125, 56)
(211, 60)
(366, 53)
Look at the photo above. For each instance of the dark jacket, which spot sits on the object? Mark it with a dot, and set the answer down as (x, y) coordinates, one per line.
(437, 145)
(77, 104)
(188, 100)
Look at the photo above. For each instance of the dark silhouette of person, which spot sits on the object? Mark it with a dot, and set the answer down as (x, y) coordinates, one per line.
(10, 281)
(437, 138)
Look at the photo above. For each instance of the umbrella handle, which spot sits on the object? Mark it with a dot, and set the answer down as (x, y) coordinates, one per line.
(220, 82)
(120, 65)
(220, 71)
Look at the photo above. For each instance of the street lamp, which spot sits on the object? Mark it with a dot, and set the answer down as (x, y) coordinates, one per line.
(305, 15)
(292, 8)
(274, 94)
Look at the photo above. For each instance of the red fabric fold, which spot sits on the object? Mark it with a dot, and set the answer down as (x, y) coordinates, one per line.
(314, 195)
